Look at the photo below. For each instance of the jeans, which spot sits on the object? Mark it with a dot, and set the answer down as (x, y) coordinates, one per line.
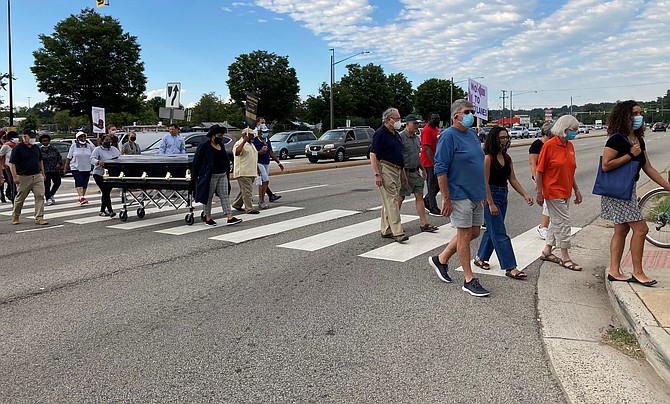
(50, 190)
(495, 236)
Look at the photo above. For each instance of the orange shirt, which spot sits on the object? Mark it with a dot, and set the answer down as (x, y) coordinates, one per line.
(557, 164)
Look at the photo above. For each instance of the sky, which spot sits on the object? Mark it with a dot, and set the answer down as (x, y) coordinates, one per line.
(544, 52)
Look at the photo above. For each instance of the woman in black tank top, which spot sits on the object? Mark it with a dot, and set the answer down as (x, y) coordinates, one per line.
(498, 169)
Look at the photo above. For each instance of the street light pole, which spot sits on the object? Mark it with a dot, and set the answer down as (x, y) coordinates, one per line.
(332, 79)
(9, 57)
(451, 88)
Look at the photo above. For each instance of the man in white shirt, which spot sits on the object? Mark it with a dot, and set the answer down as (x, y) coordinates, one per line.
(172, 143)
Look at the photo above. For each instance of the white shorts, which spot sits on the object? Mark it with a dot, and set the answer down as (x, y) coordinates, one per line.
(466, 213)
(265, 172)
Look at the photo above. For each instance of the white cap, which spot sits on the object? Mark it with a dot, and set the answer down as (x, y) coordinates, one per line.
(80, 133)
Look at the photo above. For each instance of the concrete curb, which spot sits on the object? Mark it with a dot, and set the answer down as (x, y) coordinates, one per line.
(654, 340)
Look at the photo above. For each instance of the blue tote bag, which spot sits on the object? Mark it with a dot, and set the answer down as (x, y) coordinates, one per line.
(617, 183)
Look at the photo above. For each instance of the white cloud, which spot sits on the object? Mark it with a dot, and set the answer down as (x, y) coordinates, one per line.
(577, 46)
(227, 9)
(260, 20)
(155, 93)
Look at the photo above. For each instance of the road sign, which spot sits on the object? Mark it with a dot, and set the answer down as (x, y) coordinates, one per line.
(172, 95)
(478, 96)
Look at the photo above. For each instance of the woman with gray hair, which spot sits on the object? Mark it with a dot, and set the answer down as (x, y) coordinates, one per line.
(533, 154)
(554, 183)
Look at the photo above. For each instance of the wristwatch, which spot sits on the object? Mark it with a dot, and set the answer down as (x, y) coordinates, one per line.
(376, 174)
(632, 156)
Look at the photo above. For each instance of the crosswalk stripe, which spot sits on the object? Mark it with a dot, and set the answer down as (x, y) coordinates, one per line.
(58, 210)
(275, 228)
(200, 226)
(527, 248)
(415, 246)
(140, 223)
(73, 212)
(336, 236)
(30, 200)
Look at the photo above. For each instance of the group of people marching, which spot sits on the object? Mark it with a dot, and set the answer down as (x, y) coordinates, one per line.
(474, 183)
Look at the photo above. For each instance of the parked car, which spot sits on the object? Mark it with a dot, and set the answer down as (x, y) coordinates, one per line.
(659, 126)
(583, 129)
(483, 132)
(534, 132)
(340, 144)
(193, 140)
(91, 140)
(291, 144)
(144, 139)
(518, 132)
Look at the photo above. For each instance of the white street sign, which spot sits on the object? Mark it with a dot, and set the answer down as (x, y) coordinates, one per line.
(478, 96)
(172, 95)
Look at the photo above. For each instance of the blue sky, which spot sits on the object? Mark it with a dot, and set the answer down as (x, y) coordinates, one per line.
(591, 50)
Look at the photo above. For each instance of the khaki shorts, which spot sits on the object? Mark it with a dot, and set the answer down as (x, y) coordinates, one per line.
(466, 213)
(414, 184)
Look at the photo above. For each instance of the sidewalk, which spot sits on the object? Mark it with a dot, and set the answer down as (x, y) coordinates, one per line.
(646, 310)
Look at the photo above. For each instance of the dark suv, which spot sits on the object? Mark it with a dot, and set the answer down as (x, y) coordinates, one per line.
(340, 144)
(659, 126)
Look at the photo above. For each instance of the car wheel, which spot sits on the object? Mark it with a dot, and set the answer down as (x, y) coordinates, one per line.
(339, 156)
(313, 160)
(283, 154)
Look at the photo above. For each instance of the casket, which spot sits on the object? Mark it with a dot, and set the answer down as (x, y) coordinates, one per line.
(150, 172)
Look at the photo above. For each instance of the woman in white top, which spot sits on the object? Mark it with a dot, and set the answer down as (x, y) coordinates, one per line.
(79, 162)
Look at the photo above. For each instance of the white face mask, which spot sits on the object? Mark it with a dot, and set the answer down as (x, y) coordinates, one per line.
(82, 142)
(32, 141)
(15, 140)
(397, 125)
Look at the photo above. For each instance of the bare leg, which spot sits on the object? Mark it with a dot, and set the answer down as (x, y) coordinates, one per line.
(420, 208)
(400, 199)
(616, 249)
(544, 221)
(637, 241)
(261, 191)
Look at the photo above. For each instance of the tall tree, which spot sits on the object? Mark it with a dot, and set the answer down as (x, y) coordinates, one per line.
(269, 77)
(90, 61)
(208, 109)
(369, 88)
(401, 88)
(433, 95)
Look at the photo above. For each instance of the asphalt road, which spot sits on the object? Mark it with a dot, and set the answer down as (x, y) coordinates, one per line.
(93, 313)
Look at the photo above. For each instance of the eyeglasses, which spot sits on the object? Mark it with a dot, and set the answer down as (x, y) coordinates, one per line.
(395, 119)
(468, 111)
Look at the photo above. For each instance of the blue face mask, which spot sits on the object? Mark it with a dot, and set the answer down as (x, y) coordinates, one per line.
(468, 120)
(637, 122)
(107, 144)
(571, 135)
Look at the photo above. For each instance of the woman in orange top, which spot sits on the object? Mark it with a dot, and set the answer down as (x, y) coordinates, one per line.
(554, 183)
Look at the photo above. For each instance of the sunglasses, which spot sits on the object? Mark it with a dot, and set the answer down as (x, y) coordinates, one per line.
(468, 111)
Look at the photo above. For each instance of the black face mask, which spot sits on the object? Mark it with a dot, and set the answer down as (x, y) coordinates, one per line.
(133, 138)
(218, 140)
(435, 122)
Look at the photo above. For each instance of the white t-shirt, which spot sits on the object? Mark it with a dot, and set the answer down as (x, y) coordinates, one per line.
(80, 157)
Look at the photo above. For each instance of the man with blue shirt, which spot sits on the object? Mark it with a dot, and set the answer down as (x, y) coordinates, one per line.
(172, 143)
(264, 147)
(459, 167)
(387, 161)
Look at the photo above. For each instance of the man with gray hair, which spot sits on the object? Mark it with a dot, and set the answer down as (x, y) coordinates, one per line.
(459, 167)
(387, 163)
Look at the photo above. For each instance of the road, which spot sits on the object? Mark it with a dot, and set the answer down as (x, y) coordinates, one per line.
(261, 312)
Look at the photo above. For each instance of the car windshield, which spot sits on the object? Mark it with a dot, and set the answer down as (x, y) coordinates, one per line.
(333, 135)
(517, 128)
(279, 137)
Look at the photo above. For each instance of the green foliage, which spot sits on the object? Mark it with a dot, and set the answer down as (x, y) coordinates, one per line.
(63, 120)
(401, 89)
(155, 104)
(32, 121)
(89, 61)
(434, 95)
(210, 109)
(369, 89)
(270, 78)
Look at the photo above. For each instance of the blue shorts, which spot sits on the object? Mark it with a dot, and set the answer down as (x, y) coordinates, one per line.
(81, 178)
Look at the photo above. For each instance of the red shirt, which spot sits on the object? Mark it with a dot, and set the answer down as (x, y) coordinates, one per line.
(557, 164)
(429, 136)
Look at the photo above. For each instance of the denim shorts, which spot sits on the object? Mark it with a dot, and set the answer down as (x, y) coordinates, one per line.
(466, 213)
(265, 172)
(81, 178)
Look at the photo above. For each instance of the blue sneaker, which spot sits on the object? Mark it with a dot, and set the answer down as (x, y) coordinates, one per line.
(474, 288)
(440, 269)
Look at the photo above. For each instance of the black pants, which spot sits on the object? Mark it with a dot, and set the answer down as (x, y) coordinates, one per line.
(11, 187)
(49, 189)
(106, 192)
(433, 188)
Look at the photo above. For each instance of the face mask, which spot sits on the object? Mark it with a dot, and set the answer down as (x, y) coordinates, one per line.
(397, 125)
(107, 144)
(45, 145)
(132, 139)
(468, 120)
(571, 135)
(218, 140)
(435, 123)
(637, 122)
(15, 140)
(32, 141)
(265, 135)
(82, 142)
(504, 143)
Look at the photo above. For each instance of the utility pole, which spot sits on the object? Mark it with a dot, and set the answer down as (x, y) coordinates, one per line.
(503, 109)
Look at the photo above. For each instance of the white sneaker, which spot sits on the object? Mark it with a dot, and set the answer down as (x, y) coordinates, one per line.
(53, 201)
(50, 202)
(542, 231)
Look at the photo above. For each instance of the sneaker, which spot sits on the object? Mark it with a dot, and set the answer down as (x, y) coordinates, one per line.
(49, 202)
(233, 220)
(440, 268)
(15, 220)
(401, 238)
(542, 231)
(238, 208)
(112, 213)
(41, 222)
(53, 201)
(435, 212)
(210, 222)
(275, 198)
(474, 288)
(103, 214)
(253, 212)
(263, 205)
(83, 201)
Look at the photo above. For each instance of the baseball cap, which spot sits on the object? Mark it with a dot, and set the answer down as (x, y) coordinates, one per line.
(412, 118)
(30, 132)
(80, 133)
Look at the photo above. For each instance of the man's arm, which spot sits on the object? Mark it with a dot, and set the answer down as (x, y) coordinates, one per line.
(182, 145)
(12, 168)
(429, 153)
(375, 168)
(240, 147)
(163, 146)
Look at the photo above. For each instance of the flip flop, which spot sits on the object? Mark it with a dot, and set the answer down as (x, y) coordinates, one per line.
(551, 258)
(482, 264)
(519, 275)
(572, 266)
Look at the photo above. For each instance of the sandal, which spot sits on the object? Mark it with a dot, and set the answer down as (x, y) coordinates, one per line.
(428, 228)
(518, 275)
(551, 258)
(481, 263)
(573, 266)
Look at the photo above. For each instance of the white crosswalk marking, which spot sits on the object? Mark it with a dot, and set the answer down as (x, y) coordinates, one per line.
(30, 200)
(527, 248)
(140, 223)
(200, 226)
(332, 237)
(415, 246)
(279, 227)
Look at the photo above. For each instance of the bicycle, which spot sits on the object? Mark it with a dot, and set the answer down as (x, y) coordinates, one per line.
(655, 209)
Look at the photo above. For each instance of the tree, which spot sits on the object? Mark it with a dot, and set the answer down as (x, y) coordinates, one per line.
(433, 95)
(369, 88)
(89, 61)
(208, 109)
(155, 104)
(63, 120)
(401, 88)
(270, 78)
